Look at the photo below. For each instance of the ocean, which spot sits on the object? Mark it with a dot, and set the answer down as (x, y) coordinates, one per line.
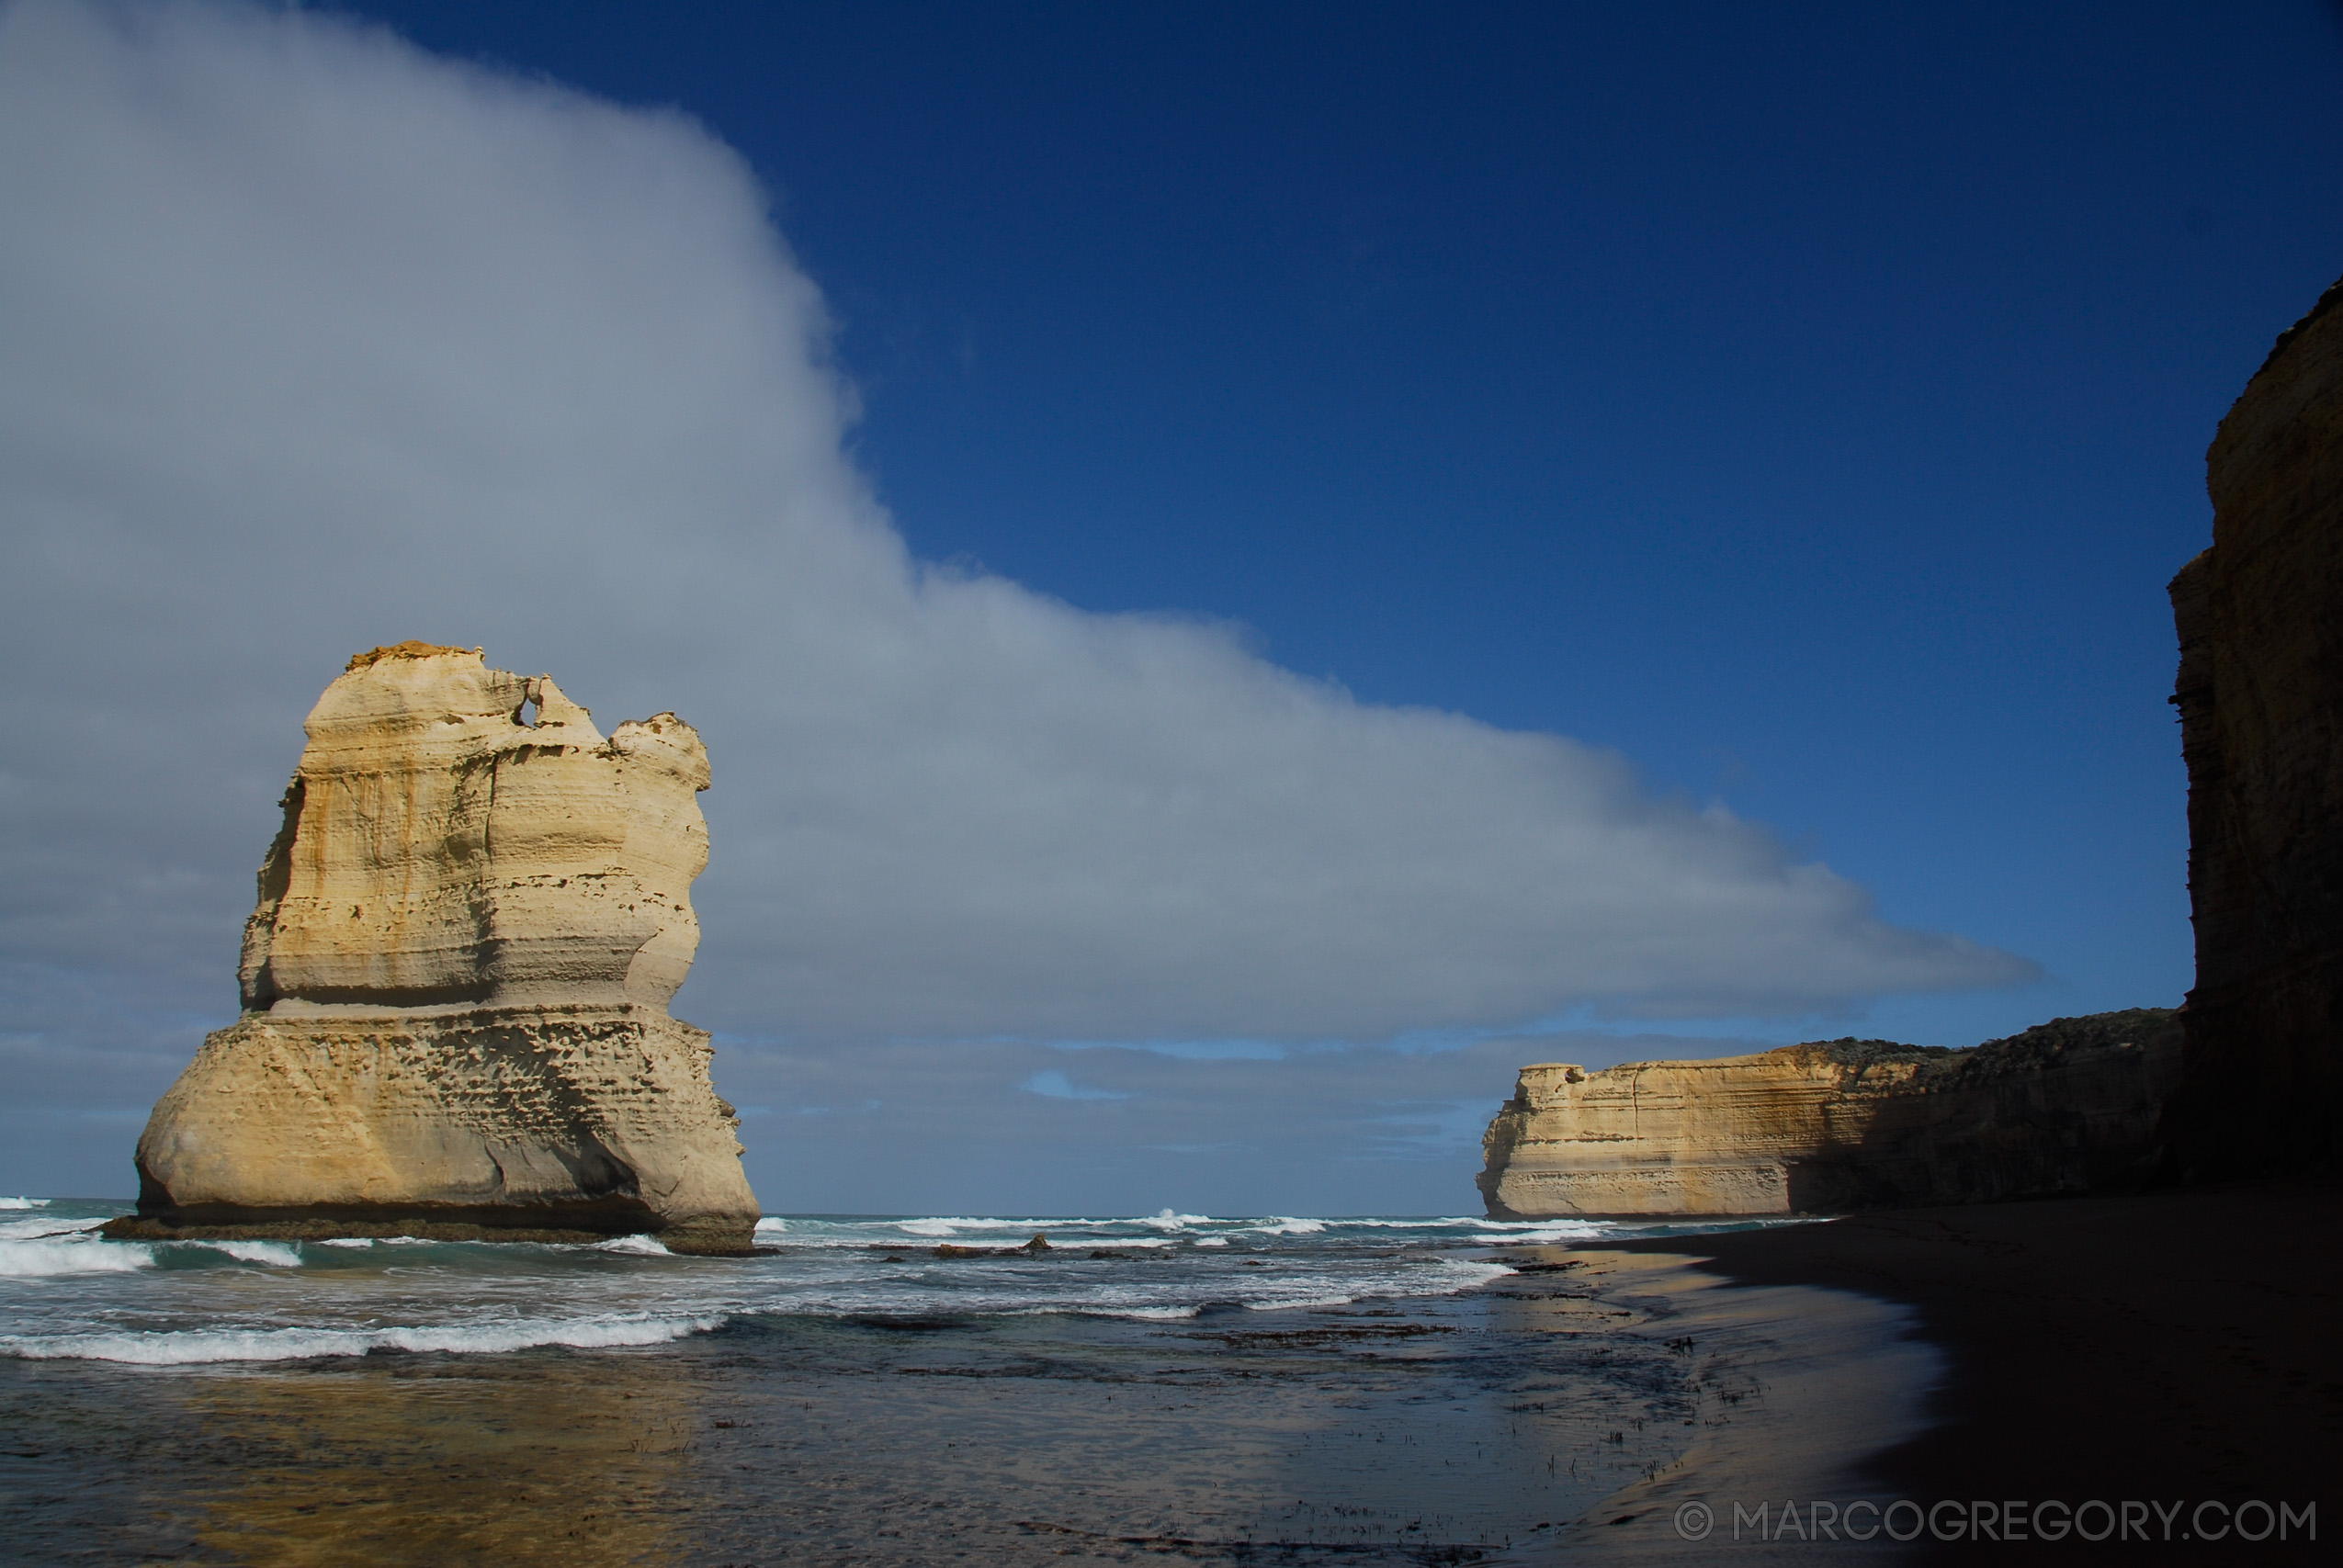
(864, 1390)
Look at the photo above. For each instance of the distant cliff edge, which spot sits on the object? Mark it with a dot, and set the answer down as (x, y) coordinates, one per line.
(456, 984)
(2065, 1106)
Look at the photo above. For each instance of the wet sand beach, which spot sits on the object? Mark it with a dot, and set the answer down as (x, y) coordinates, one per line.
(1792, 1386)
(2167, 1349)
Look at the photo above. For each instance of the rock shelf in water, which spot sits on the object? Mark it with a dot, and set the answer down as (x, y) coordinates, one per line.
(456, 984)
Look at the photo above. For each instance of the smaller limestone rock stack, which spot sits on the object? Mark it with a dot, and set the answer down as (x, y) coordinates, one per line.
(2066, 1107)
(456, 984)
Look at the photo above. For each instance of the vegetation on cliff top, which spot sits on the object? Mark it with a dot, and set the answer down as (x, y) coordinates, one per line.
(2029, 1051)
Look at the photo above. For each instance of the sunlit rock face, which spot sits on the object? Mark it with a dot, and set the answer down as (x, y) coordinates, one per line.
(2070, 1106)
(458, 834)
(456, 982)
(2260, 694)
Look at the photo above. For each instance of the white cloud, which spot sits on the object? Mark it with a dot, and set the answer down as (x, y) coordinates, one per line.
(311, 341)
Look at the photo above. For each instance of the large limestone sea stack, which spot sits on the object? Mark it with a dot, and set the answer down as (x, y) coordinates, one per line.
(456, 984)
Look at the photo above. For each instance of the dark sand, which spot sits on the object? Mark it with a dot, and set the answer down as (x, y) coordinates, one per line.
(2163, 1348)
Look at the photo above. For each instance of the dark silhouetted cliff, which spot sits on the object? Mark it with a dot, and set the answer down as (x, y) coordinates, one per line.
(2260, 694)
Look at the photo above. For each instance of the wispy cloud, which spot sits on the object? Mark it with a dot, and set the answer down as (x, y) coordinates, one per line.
(1054, 1084)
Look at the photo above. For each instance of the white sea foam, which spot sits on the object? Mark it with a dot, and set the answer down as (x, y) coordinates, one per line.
(1445, 1278)
(35, 1229)
(1463, 1274)
(1300, 1303)
(1555, 1229)
(189, 1347)
(1567, 1230)
(942, 1225)
(24, 1203)
(274, 1253)
(623, 1291)
(75, 1253)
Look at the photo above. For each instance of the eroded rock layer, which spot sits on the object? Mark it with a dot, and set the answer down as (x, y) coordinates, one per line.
(2260, 694)
(2066, 1107)
(456, 982)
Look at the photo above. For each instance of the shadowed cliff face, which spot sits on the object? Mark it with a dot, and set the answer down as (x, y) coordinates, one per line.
(2260, 694)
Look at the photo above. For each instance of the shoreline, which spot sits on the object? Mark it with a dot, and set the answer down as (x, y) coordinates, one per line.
(1791, 1383)
(2170, 1349)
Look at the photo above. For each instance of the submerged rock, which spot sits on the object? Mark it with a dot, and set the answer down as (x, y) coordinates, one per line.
(2066, 1107)
(456, 984)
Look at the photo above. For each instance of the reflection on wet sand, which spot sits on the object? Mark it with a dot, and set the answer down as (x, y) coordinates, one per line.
(553, 1459)
(1790, 1389)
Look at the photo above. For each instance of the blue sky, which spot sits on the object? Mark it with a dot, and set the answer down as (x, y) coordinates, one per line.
(1799, 414)
(1809, 403)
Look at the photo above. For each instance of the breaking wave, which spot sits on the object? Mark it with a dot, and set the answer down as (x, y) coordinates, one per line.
(47, 1258)
(192, 1347)
(273, 1254)
(67, 1292)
